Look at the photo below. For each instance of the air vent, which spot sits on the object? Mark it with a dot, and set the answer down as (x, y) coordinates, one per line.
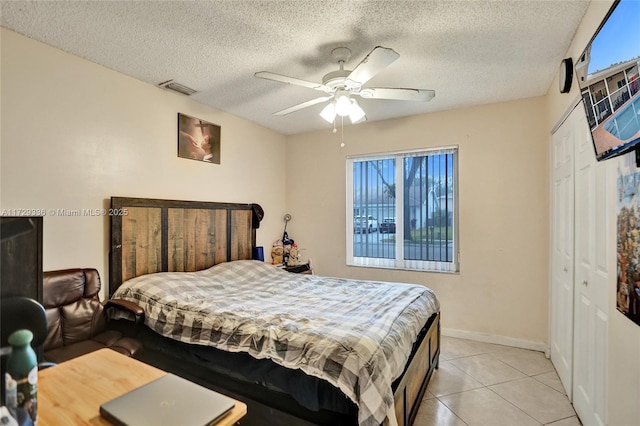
(177, 87)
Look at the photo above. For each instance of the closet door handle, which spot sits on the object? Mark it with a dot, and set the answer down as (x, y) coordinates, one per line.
(565, 269)
(585, 283)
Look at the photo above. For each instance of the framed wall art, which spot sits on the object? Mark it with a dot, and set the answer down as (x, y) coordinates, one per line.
(198, 139)
(628, 230)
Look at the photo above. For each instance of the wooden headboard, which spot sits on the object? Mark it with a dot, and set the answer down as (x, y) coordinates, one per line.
(151, 235)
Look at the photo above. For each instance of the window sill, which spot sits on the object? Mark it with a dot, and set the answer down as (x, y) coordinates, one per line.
(390, 268)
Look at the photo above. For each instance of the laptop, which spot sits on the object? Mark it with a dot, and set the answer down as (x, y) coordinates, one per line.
(169, 400)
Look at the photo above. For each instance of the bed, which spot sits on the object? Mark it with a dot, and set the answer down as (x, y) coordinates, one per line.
(184, 261)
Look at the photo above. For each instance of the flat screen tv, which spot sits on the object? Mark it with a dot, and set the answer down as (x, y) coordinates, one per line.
(607, 73)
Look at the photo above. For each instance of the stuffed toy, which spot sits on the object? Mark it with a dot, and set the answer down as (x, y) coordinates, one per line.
(294, 255)
(285, 253)
(277, 253)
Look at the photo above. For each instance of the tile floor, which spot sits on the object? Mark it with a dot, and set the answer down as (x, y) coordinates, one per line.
(491, 385)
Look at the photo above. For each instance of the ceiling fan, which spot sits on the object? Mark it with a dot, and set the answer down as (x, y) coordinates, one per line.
(342, 85)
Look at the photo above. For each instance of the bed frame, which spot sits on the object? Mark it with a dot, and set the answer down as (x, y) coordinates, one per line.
(152, 235)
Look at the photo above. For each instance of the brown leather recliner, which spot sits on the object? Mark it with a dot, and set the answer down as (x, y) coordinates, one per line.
(76, 319)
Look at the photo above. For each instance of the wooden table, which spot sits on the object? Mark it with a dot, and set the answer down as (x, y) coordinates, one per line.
(72, 392)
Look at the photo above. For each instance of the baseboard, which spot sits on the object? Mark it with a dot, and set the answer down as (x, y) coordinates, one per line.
(498, 340)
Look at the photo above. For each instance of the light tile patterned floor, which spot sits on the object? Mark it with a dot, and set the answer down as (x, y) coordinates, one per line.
(481, 384)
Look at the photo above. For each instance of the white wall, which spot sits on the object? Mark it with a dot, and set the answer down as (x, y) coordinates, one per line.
(624, 335)
(501, 290)
(75, 133)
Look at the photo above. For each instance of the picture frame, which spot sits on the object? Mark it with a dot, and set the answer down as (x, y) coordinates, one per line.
(628, 246)
(198, 139)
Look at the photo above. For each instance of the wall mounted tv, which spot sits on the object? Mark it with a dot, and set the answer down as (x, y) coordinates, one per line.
(607, 73)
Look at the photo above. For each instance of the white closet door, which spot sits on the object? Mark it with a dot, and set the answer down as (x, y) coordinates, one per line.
(591, 313)
(562, 250)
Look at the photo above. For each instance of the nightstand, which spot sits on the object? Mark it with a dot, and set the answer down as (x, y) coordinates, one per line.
(299, 269)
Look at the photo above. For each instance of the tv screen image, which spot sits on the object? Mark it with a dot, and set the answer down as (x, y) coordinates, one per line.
(607, 73)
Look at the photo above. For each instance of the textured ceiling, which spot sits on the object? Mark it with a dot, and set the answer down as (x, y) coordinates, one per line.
(469, 52)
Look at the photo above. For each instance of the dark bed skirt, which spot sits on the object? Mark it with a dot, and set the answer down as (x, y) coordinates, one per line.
(283, 396)
(262, 380)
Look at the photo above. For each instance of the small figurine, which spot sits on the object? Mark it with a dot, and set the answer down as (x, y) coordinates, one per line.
(277, 253)
(294, 255)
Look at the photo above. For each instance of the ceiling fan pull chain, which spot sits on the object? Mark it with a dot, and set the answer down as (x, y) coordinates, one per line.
(342, 131)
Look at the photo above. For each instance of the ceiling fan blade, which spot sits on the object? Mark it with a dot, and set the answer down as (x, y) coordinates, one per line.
(379, 58)
(292, 80)
(303, 105)
(398, 94)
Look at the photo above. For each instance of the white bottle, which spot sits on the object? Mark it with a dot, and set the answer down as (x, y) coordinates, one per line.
(11, 391)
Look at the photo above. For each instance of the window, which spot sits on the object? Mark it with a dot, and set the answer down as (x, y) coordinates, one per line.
(402, 210)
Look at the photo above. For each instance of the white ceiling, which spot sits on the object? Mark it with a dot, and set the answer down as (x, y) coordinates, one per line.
(469, 52)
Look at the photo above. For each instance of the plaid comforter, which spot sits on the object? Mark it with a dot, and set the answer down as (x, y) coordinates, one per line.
(357, 335)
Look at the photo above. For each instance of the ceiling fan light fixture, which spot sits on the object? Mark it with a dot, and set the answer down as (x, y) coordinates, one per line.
(329, 112)
(341, 85)
(357, 113)
(343, 105)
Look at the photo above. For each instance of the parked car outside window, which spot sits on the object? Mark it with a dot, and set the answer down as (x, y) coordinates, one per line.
(365, 224)
(388, 225)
